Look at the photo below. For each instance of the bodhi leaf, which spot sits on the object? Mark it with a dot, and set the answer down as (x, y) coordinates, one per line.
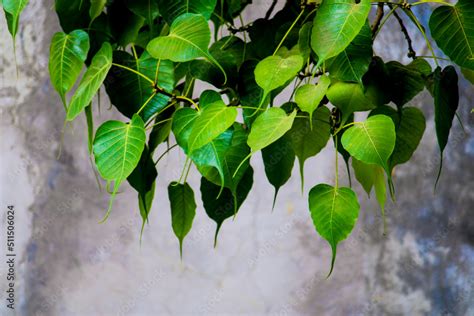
(452, 27)
(353, 62)
(97, 6)
(221, 207)
(371, 141)
(278, 159)
(349, 98)
(188, 39)
(275, 71)
(68, 52)
(73, 14)
(211, 121)
(171, 10)
(304, 41)
(446, 97)
(117, 150)
(91, 81)
(183, 120)
(308, 140)
(308, 97)
(334, 212)
(13, 10)
(268, 127)
(335, 26)
(183, 210)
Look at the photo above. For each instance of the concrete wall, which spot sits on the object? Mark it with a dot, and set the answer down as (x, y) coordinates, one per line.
(265, 263)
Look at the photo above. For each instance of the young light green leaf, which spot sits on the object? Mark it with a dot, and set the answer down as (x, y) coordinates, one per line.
(334, 212)
(68, 52)
(170, 10)
(452, 27)
(188, 39)
(371, 141)
(353, 62)
(211, 121)
(183, 121)
(309, 96)
(97, 6)
(13, 9)
(349, 98)
(275, 71)
(91, 81)
(268, 127)
(278, 159)
(183, 210)
(336, 25)
(308, 139)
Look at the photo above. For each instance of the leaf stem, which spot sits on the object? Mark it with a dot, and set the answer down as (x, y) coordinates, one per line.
(288, 32)
(337, 163)
(146, 102)
(135, 72)
(160, 122)
(164, 154)
(182, 97)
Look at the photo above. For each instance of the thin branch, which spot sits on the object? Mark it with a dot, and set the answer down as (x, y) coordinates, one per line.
(411, 51)
(378, 18)
(270, 10)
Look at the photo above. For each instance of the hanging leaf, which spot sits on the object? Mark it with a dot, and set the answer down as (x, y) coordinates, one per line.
(249, 90)
(334, 212)
(124, 24)
(220, 207)
(147, 9)
(261, 136)
(183, 210)
(183, 121)
(73, 14)
(97, 6)
(13, 9)
(336, 25)
(128, 91)
(68, 52)
(446, 99)
(211, 121)
(278, 159)
(274, 72)
(371, 141)
(353, 62)
(308, 140)
(349, 98)
(171, 10)
(452, 27)
(304, 41)
(308, 97)
(91, 81)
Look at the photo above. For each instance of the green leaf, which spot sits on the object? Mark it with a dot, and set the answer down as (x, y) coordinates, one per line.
(90, 127)
(353, 62)
(349, 98)
(278, 159)
(407, 81)
(468, 74)
(249, 91)
(13, 10)
(183, 210)
(171, 10)
(221, 207)
(336, 25)
(308, 97)
(409, 126)
(446, 99)
(128, 91)
(274, 72)
(211, 121)
(91, 81)
(125, 25)
(73, 14)
(147, 9)
(334, 212)
(97, 6)
(452, 27)
(268, 127)
(371, 141)
(304, 41)
(118, 148)
(68, 52)
(183, 120)
(308, 140)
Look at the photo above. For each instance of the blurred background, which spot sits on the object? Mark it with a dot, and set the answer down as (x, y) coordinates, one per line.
(265, 263)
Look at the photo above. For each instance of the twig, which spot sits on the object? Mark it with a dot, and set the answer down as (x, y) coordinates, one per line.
(270, 10)
(411, 51)
(378, 18)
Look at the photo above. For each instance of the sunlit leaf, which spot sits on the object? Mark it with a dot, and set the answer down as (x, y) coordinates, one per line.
(97, 6)
(171, 10)
(349, 98)
(13, 9)
(308, 97)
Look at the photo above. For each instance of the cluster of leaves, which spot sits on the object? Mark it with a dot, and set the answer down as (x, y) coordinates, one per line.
(149, 54)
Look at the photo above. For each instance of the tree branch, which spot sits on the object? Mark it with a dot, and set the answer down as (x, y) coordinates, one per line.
(378, 18)
(411, 51)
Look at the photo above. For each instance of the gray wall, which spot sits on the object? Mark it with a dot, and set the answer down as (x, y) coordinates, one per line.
(265, 263)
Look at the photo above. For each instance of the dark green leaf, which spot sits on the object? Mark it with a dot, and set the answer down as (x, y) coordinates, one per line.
(73, 14)
(171, 10)
(13, 10)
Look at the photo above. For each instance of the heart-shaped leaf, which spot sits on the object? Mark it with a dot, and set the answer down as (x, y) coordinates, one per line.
(371, 141)
(97, 6)
(335, 26)
(261, 135)
(13, 10)
(349, 98)
(183, 121)
(452, 27)
(68, 52)
(183, 210)
(91, 81)
(353, 62)
(170, 10)
(309, 96)
(334, 212)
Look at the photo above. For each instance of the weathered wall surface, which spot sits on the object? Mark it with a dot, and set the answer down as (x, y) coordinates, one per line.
(265, 263)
